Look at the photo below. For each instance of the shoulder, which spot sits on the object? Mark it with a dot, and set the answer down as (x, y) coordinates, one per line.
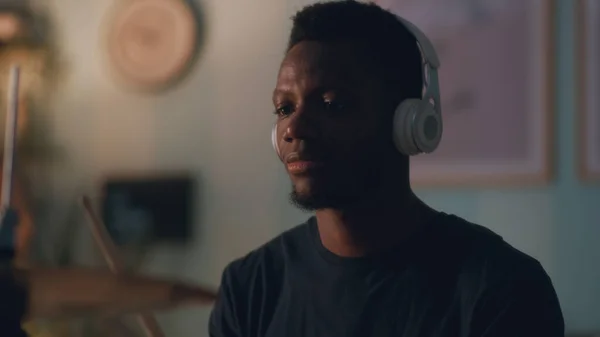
(251, 283)
(488, 255)
(500, 285)
(268, 260)
(489, 266)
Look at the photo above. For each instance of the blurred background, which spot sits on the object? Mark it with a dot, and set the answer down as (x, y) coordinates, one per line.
(84, 126)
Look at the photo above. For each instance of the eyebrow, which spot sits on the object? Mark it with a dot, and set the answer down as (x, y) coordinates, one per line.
(341, 89)
(279, 92)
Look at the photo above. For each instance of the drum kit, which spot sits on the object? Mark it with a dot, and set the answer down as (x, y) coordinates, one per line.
(75, 292)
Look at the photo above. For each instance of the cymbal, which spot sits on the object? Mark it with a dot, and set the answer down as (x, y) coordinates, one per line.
(75, 292)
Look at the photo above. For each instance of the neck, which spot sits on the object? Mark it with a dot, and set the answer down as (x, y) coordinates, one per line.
(374, 224)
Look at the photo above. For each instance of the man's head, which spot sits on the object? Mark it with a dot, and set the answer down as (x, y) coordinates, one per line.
(348, 65)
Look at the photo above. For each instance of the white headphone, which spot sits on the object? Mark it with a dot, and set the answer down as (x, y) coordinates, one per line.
(417, 124)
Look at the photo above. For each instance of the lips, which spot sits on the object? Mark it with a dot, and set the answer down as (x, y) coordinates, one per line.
(302, 166)
(299, 164)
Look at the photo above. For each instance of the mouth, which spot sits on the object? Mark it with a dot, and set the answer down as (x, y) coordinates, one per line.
(298, 165)
(302, 167)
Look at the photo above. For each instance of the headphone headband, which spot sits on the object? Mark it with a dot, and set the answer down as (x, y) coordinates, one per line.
(427, 49)
(432, 63)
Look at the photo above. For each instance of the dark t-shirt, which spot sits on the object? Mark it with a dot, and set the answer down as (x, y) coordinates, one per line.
(451, 279)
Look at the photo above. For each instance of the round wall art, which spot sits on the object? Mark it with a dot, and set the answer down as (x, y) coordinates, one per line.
(151, 43)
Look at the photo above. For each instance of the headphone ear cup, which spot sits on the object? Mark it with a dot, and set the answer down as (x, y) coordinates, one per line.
(402, 132)
(417, 127)
(427, 128)
(274, 141)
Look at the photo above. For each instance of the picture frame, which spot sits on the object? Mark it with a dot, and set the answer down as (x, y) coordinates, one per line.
(588, 83)
(497, 79)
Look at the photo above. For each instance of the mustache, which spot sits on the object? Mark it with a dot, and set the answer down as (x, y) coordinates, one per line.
(358, 154)
(308, 151)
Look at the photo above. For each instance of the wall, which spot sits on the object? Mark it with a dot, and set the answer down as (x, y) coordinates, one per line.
(558, 224)
(217, 124)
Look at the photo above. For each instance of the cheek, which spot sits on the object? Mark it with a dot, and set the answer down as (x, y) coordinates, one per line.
(366, 155)
(359, 142)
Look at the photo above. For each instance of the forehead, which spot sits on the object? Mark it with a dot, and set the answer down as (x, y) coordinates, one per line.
(312, 64)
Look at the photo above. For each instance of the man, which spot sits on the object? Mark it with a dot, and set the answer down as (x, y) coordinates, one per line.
(375, 260)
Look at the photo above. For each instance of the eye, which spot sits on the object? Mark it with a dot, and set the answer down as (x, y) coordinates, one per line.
(284, 110)
(333, 105)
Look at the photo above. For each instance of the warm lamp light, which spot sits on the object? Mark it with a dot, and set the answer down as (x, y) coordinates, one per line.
(10, 26)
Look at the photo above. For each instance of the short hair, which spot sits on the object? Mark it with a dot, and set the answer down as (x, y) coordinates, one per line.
(391, 48)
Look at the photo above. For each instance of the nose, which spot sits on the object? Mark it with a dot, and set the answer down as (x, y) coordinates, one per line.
(300, 126)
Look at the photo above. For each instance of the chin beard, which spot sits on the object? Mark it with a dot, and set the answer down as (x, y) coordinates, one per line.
(304, 203)
(336, 192)
(342, 189)
(313, 202)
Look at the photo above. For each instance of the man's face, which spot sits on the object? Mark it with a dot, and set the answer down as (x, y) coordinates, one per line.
(329, 128)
